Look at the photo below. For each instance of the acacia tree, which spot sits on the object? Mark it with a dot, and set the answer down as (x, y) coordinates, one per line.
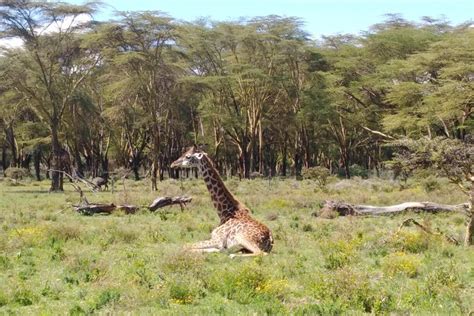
(53, 64)
(141, 56)
(249, 69)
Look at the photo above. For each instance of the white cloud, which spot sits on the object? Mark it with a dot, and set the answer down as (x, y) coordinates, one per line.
(66, 23)
(11, 43)
(69, 21)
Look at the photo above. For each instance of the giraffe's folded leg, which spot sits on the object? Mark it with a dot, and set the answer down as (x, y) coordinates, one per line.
(204, 246)
(250, 246)
(205, 250)
(253, 254)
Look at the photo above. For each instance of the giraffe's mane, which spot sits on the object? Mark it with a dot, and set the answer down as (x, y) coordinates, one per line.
(237, 203)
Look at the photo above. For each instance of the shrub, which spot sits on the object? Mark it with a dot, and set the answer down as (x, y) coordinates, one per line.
(430, 184)
(320, 174)
(183, 262)
(441, 279)
(414, 242)
(16, 173)
(247, 284)
(30, 235)
(346, 289)
(358, 171)
(64, 231)
(3, 300)
(105, 297)
(184, 292)
(142, 274)
(77, 310)
(401, 263)
(337, 253)
(24, 297)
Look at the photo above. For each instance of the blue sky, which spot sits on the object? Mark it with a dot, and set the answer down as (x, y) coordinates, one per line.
(321, 17)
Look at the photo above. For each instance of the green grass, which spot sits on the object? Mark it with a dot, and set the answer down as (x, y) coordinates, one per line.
(54, 261)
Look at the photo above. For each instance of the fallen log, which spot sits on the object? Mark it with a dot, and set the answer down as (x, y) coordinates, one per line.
(88, 209)
(128, 209)
(161, 201)
(332, 208)
(91, 209)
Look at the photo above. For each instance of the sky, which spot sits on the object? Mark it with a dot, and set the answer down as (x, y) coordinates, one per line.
(320, 17)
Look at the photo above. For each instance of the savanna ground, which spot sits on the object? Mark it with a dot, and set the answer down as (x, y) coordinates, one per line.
(54, 261)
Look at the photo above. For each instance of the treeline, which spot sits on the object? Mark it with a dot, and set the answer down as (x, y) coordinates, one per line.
(260, 93)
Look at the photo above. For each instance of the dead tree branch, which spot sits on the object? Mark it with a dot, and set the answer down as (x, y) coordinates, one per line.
(427, 230)
(165, 201)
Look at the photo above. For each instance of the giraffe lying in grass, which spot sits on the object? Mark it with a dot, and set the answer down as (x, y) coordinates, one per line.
(238, 233)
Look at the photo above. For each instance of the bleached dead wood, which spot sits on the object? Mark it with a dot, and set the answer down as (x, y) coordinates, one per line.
(166, 200)
(343, 209)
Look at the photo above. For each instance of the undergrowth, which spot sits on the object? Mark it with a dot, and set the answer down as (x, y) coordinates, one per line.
(54, 261)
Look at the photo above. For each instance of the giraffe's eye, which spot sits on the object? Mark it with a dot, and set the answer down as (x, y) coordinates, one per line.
(188, 156)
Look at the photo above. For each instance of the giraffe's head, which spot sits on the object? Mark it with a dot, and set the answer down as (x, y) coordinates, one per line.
(190, 159)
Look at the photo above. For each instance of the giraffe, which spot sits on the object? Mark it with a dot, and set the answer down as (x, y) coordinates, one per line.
(238, 233)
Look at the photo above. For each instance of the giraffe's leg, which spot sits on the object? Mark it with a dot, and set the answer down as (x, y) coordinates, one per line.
(250, 246)
(204, 246)
(205, 250)
(261, 253)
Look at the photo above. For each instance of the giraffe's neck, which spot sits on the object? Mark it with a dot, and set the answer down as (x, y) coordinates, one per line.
(223, 200)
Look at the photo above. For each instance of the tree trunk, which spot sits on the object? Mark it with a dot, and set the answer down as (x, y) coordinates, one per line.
(261, 167)
(56, 177)
(345, 161)
(10, 136)
(155, 156)
(105, 166)
(469, 238)
(77, 158)
(37, 163)
(24, 161)
(4, 158)
(284, 160)
(154, 174)
(136, 167)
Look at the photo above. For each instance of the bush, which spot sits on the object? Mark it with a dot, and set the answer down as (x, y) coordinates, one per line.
(338, 253)
(414, 242)
(430, 184)
(442, 279)
(247, 284)
(401, 263)
(358, 171)
(105, 297)
(16, 173)
(3, 300)
(346, 289)
(24, 297)
(320, 174)
(184, 292)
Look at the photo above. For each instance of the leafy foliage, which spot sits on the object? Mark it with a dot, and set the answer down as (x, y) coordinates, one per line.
(320, 174)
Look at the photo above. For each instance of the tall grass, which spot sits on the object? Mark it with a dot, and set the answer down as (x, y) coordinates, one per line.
(54, 261)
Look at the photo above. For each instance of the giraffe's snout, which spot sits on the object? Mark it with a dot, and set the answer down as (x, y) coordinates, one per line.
(176, 163)
(181, 163)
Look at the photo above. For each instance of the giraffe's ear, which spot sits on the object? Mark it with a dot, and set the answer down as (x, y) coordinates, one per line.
(199, 156)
